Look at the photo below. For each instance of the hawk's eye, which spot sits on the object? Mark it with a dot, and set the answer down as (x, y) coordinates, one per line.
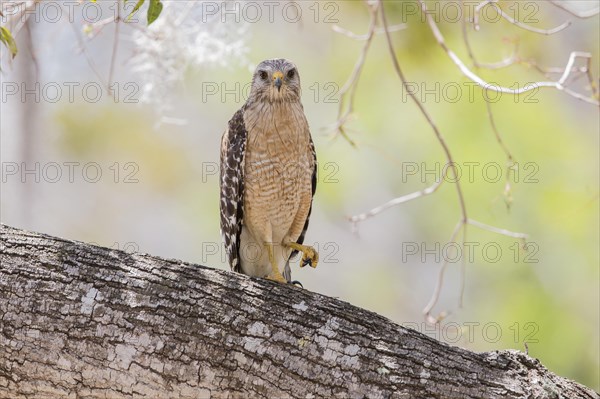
(291, 73)
(263, 75)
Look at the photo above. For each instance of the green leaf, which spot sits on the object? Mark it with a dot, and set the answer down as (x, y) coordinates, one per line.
(135, 9)
(7, 39)
(154, 10)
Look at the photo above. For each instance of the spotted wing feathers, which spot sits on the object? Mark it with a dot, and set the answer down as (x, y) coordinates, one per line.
(233, 146)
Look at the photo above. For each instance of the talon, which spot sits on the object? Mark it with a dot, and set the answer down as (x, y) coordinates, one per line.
(309, 255)
(296, 282)
(309, 260)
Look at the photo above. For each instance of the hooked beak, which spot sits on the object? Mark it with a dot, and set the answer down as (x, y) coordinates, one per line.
(278, 79)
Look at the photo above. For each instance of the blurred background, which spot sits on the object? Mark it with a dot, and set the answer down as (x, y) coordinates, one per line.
(138, 170)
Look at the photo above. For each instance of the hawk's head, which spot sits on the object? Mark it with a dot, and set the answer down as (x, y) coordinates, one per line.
(276, 80)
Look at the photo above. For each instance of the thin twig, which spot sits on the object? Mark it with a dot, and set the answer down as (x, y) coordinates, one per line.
(559, 85)
(465, 35)
(352, 35)
(578, 14)
(510, 164)
(413, 96)
(586, 70)
(513, 21)
(495, 129)
(184, 14)
(591, 81)
(508, 61)
(83, 50)
(500, 141)
(115, 48)
(352, 82)
(32, 51)
(16, 21)
(504, 232)
(440, 282)
(397, 201)
(450, 162)
(98, 27)
(463, 268)
(567, 75)
(547, 71)
(487, 102)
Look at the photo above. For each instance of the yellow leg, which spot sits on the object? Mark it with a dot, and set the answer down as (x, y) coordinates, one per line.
(275, 273)
(309, 255)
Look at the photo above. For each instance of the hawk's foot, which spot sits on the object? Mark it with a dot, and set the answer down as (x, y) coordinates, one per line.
(278, 277)
(309, 255)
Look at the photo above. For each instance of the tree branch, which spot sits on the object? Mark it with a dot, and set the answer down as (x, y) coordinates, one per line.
(492, 3)
(558, 85)
(348, 91)
(581, 14)
(85, 321)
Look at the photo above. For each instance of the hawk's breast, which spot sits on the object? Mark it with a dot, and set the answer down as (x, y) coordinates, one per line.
(279, 166)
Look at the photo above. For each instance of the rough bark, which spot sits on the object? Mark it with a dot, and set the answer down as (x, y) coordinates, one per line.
(81, 321)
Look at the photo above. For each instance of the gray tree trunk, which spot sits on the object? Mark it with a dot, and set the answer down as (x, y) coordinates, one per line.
(81, 321)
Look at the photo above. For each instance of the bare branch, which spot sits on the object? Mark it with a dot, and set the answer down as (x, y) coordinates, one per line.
(591, 81)
(578, 14)
(507, 186)
(506, 62)
(495, 130)
(440, 281)
(559, 85)
(61, 344)
(396, 201)
(450, 166)
(352, 35)
(509, 156)
(438, 134)
(463, 268)
(497, 230)
(462, 224)
(115, 47)
(90, 61)
(352, 82)
(514, 21)
(32, 51)
(509, 61)
(88, 58)
(576, 72)
(548, 71)
(16, 21)
(98, 27)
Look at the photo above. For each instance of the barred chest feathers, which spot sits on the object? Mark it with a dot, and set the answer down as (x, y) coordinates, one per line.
(279, 161)
(279, 166)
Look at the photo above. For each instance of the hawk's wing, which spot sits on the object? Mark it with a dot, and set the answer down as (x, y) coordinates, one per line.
(233, 147)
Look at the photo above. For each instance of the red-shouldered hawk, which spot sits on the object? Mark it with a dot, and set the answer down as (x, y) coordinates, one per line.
(268, 176)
